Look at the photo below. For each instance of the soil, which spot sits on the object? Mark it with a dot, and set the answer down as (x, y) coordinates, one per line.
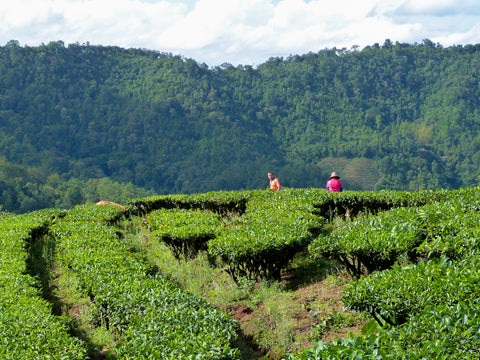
(313, 303)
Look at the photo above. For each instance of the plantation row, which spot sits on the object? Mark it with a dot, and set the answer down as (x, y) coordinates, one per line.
(149, 315)
(256, 233)
(414, 256)
(417, 248)
(256, 240)
(114, 286)
(28, 330)
(423, 267)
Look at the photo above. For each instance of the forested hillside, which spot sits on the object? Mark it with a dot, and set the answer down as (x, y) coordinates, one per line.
(397, 116)
(26, 189)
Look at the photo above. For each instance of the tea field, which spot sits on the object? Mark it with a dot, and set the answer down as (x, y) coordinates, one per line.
(98, 282)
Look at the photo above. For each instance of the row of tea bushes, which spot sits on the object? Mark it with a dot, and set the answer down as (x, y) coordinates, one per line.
(274, 227)
(396, 294)
(451, 228)
(185, 231)
(355, 203)
(268, 228)
(442, 332)
(427, 309)
(258, 235)
(221, 202)
(373, 243)
(149, 316)
(28, 329)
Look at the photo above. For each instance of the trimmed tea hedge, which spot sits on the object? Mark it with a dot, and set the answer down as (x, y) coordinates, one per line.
(28, 330)
(275, 226)
(394, 295)
(185, 232)
(372, 243)
(150, 317)
(262, 230)
(441, 332)
(221, 202)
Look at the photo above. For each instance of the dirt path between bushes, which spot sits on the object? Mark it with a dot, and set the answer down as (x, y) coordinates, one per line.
(319, 315)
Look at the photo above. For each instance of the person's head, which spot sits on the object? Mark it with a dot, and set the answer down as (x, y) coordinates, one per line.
(334, 176)
(271, 175)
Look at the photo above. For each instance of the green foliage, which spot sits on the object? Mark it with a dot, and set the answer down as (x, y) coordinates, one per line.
(28, 328)
(275, 226)
(149, 316)
(440, 332)
(425, 309)
(225, 203)
(420, 250)
(403, 291)
(451, 228)
(407, 112)
(355, 203)
(372, 243)
(364, 244)
(25, 189)
(186, 232)
(261, 230)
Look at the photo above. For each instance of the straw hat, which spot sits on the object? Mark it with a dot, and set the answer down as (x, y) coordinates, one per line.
(334, 175)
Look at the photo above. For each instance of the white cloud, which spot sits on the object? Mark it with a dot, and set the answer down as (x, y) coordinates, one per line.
(238, 31)
(440, 7)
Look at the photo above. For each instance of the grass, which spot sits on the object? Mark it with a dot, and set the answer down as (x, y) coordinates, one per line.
(82, 313)
(60, 286)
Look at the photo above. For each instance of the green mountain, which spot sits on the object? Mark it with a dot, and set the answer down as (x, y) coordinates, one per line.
(398, 116)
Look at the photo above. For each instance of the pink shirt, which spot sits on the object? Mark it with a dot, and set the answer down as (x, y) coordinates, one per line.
(334, 185)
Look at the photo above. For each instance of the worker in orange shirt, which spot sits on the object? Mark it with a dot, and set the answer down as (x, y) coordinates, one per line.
(274, 182)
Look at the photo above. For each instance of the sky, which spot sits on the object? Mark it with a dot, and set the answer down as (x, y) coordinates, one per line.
(246, 32)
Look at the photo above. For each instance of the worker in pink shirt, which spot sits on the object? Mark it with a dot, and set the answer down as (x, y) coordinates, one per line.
(334, 184)
(274, 182)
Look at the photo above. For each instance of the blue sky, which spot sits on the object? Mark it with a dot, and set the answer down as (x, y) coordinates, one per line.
(246, 32)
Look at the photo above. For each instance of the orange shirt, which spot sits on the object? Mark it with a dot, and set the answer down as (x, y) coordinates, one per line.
(275, 184)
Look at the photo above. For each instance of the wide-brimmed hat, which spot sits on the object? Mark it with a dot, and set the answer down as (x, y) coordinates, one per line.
(334, 175)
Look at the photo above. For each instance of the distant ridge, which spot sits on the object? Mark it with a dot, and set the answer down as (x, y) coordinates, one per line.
(393, 116)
